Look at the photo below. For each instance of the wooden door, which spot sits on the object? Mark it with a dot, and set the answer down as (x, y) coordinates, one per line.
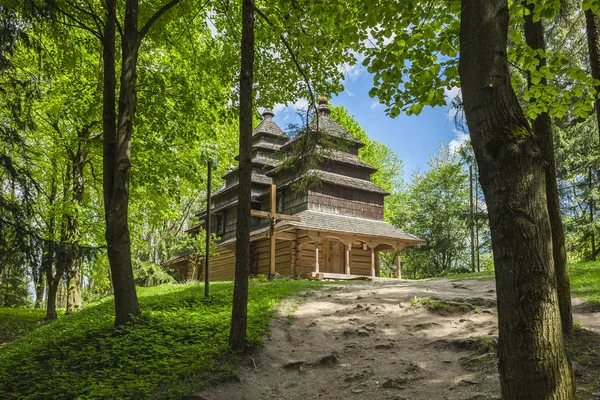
(333, 256)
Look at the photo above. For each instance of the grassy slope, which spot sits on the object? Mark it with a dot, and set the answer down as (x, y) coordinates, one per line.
(180, 345)
(18, 321)
(585, 280)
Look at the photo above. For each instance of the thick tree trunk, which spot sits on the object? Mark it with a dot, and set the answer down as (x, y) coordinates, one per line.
(38, 281)
(532, 358)
(542, 127)
(78, 160)
(39, 294)
(48, 259)
(51, 280)
(237, 337)
(117, 159)
(592, 25)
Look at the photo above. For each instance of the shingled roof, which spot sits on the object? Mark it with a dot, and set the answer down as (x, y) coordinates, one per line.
(268, 126)
(326, 222)
(339, 180)
(326, 126)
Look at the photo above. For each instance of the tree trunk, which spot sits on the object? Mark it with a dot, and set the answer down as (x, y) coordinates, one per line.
(237, 337)
(48, 259)
(51, 280)
(117, 159)
(591, 211)
(37, 274)
(592, 25)
(78, 160)
(542, 127)
(39, 293)
(532, 358)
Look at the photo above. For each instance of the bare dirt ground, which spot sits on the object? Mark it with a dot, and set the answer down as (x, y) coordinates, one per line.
(387, 340)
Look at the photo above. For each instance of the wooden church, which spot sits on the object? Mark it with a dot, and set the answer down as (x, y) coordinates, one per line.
(331, 229)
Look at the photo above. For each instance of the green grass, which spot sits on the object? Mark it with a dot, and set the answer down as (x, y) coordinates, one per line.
(178, 347)
(472, 275)
(15, 322)
(585, 280)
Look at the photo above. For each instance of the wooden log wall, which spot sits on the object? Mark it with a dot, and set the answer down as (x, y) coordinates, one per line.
(222, 266)
(336, 205)
(350, 193)
(345, 169)
(283, 256)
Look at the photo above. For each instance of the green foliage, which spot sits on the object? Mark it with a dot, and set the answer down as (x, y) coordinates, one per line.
(578, 163)
(178, 346)
(15, 322)
(436, 204)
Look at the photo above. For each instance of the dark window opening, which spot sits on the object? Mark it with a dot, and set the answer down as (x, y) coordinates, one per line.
(221, 222)
(279, 202)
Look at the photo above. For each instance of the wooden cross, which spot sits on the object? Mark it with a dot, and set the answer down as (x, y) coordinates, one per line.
(273, 218)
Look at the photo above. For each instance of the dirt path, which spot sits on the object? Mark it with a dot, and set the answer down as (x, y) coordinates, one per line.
(379, 341)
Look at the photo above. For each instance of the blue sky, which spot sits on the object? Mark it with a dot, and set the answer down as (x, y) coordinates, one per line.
(413, 138)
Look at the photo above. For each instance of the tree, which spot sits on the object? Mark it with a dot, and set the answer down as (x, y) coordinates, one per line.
(436, 210)
(239, 314)
(513, 179)
(542, 127)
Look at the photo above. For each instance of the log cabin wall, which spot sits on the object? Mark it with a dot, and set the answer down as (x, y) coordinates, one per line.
(283, 257)
(346, 201)
(345, 169)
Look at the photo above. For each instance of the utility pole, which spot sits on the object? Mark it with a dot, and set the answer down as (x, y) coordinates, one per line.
(207, 228)
(471, 218)
(477, 226)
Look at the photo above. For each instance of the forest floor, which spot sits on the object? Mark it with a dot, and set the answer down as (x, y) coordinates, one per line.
(394, 340)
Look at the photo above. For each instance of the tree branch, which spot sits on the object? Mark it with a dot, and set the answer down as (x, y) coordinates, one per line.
(78, 23)
(155, 17)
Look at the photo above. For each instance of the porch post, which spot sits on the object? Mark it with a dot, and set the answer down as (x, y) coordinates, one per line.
(373, 261)
(348, 247)
(316, 257)
(293, 254)
(398, 263)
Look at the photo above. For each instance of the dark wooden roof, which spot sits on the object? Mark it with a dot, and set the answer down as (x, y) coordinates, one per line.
(327, 126)
(268, 136)
(339, 180)
(343, 224)
(269, 127)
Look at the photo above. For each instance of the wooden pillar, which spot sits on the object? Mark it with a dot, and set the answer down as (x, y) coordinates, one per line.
(293, 250)
(398, 263)
(373, 261)
(272, 242)
(317, 257)
(348, 247)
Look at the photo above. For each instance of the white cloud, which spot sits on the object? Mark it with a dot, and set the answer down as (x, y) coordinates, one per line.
(300, 104)
(450, 96)
(459, 139)
(374, 105)
(353, 71)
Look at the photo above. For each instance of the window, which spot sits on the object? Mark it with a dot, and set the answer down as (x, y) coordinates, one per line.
(279, 202)
(221, 222)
